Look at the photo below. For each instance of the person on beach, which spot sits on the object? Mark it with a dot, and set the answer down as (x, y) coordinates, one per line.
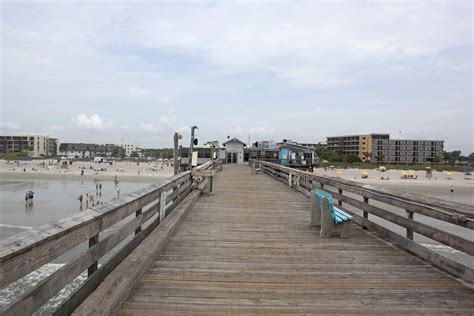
(87, 200)
(451, 190)
(100, 187)
(118, 191)
(82, 172)
(80, 199)
(26, 199)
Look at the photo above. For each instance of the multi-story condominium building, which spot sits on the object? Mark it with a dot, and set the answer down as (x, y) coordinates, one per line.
(53, 147)
(360, 145)
(129, 147)
(380, 148)
(32, 144)
(407, 151)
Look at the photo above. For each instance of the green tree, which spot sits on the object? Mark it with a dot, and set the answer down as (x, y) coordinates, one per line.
(451, 156)
(134, 154)
(118, 152)
(471, 157)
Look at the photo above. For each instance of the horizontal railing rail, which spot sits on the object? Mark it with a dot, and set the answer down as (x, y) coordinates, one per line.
(134, 215)
(361, 198)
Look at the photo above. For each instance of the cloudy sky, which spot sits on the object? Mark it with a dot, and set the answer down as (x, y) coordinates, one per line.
(141, 70)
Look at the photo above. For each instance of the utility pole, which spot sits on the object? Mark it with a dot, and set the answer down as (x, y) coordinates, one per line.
(175, 152)
(191, 147)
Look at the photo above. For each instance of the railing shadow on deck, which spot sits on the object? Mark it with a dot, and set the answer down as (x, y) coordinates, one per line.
(361, 197)
(132, 218)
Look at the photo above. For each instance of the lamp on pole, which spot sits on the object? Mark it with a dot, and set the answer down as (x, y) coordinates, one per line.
(191, 147)
(176, 138)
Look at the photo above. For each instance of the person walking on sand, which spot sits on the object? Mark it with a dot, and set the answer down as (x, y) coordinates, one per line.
(100, 187)
(118, 191)
(26, 199)
(80, 199)
(87, 200)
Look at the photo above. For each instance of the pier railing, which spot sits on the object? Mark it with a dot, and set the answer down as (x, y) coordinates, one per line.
(360, 200)
(112, 229)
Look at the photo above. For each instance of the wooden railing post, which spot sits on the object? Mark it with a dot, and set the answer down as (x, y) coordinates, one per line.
(365, 214)
(409, 231)
(93, 267)
(139, 229)
(339, 202)
(162, 206)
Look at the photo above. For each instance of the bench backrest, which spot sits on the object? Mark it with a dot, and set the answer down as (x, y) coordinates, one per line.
(337, 215)
(320, 195)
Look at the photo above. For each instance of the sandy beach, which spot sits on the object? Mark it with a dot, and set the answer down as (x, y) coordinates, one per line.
(444, 179)
(124, 170)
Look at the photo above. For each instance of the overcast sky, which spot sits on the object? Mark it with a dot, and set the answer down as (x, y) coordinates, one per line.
(95, 71)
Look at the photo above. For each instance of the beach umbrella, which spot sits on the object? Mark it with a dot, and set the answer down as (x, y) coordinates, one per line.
(338, 173)
(404, 173)
(365, 173)
(449, 174)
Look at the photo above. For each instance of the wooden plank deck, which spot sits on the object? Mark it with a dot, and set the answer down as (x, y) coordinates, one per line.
(249, 249)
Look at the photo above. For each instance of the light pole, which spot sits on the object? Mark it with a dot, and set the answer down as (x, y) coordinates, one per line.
(176, 138)
(191, 147)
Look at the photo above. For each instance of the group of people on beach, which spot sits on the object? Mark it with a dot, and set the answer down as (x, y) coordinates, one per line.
(90, 199)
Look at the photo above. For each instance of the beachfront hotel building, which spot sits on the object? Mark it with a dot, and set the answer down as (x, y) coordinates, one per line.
(359, 145)
(380, 148)
(129, 147)
(34, 145)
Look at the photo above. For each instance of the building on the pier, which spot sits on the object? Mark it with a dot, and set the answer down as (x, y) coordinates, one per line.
(35, 145)
(295, 155)
(234, 149)
(204, 154)
(380, 148)
(265, 150)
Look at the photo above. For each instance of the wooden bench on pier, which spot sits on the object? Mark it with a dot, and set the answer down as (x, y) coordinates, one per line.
(331, 219)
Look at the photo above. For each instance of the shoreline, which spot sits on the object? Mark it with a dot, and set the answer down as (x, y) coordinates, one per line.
(78, 177)
(86, 171)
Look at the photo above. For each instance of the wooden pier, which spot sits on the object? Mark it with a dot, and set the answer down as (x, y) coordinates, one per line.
(248, 248)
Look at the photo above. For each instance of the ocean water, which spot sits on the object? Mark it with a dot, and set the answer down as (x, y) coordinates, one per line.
(54, 199)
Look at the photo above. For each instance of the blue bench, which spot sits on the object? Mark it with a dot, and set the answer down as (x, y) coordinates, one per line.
(331, 219)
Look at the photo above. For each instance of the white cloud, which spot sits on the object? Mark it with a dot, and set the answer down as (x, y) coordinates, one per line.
(55, 128)
(88, 122)
(169, 117)
(9, 126)
(148, 128)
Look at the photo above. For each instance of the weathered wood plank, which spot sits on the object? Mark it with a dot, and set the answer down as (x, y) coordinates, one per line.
(249, 249)
(103, 301)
